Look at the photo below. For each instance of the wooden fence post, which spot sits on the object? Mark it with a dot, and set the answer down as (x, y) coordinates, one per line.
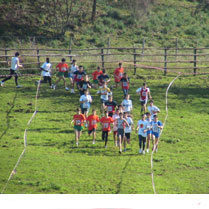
(165, 61)
(102, 57)
(38, 58)
(176, 47)
(134, 61)
(195, 61)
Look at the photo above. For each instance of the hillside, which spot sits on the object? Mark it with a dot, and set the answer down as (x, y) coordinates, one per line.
(116, 23)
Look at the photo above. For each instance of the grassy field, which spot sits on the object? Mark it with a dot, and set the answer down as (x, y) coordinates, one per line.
(53, 164)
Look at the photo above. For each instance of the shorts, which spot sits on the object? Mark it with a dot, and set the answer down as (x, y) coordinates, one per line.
(128, 135)
(71, 75)
(115, 133)
(149, 132)
(103, 101)
(143, 102)
(83, 110)
(142, 138)
(61, 74)
(95, 81)
(92, 130)
(78, 128)
(156, 134)
(120, 132)
(110, 114)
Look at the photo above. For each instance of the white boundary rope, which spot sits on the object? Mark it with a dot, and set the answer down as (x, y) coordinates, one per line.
(166, 108)
(25, 140)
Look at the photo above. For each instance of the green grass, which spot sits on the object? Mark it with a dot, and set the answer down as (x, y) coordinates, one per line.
(52, 163)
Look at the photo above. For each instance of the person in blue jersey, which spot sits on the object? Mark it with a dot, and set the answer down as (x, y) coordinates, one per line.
(157, 126)
(15, 64)
(142, 128)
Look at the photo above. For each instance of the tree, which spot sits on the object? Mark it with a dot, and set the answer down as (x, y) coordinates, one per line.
(93, 10)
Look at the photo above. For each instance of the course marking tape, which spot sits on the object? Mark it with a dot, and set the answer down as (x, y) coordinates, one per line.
(25, 139)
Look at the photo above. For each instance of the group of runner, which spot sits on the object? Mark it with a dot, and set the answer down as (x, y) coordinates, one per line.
(116, 115)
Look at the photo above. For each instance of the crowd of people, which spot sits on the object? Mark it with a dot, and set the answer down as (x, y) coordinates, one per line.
(117, 117)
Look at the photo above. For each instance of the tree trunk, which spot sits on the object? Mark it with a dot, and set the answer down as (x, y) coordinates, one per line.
(93, 10)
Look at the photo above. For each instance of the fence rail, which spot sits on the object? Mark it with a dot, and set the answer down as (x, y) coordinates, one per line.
(164, 58)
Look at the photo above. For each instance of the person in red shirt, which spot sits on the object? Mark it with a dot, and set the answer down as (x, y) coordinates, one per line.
(63, 68)
(95, 76)
(105, 122)
(92, 124)
(78, 120)
(125, 81)
(118, 74)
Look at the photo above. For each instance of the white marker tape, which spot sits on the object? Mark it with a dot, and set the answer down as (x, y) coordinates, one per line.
(25, 140)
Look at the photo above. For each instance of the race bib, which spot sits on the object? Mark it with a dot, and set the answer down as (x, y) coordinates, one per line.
(155, 128)
(144, 93)
(78, 122)
(141, 125)
(79, 76)
(84, 86)
(64, 69)
(109, 108)
(105, 125)
(93, 122)
(125, 84)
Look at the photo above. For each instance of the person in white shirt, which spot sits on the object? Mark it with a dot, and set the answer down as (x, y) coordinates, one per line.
(73, 69)
(127, 104)
(46, 72)
(144, 93)
(153, 110)
(15, 64)
(85, 101)
(142, 128)
(149, 131)
(128, 129)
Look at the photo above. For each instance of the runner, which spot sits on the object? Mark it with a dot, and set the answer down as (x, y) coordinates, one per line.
(105, 122)
(104, 92)
(121, 123)
(46, 72)
(95, 76)
(73, 69)
(128, 130)
(92, 124)
(110, 105)
(153, 109)
(149, 132)
(15, 64)
(85, 101)
(63, 68)
(118, 74)
(79, 75)
(127, 104)
(103, 78)
(142, 132)
(156, 129)
(120, 109)
(115, 128)
(78, 120)
(125, 81)
(144, 93)
(84, 85)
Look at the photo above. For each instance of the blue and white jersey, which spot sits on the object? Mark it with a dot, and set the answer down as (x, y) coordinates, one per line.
(153, 110)
(149, 123)
(47, 67)
(155, 127)
(87, 101)
(14, 63)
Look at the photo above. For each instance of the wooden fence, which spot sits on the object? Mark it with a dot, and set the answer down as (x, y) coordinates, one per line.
(166, 59)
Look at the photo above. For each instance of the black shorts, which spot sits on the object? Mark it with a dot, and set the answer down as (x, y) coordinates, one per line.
(110, 114)
(121, 132)
(143, 102)
(83, 110)
(92, 130)
(128, 135)
(142, 138)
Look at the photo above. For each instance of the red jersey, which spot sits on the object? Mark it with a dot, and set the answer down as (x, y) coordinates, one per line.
(63, 67)
(118, 74)
(79, 119)
(125, 83)
(93, 119)
(144, 93)
(96, 74)
(106, 123)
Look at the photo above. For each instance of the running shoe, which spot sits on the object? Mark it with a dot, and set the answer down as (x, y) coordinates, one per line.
(147, 150)
(106, 146)
(53, 86)
(77, 144)
(18, 86)
(2, 83)
(140, 151)
(67, 89)
(93, 142)
(143, 152)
